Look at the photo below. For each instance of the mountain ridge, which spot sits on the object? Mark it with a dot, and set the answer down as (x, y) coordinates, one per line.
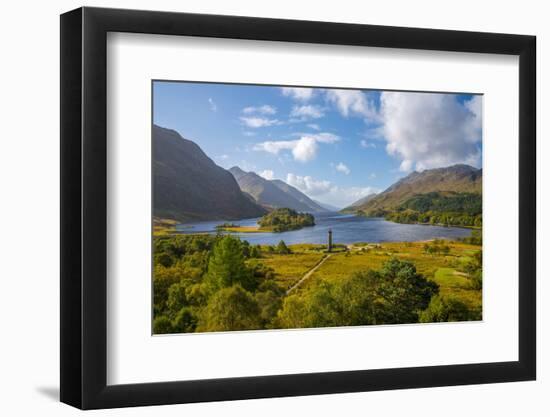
(273, 193)
(182, 170)
(454, 178)
(361, 201)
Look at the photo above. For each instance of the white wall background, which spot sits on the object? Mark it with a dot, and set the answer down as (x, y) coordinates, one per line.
(29, 231)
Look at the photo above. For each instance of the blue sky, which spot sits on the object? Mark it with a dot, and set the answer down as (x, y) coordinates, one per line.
(334, 145)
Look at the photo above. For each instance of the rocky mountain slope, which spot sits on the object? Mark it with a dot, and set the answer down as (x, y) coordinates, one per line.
(188, 185)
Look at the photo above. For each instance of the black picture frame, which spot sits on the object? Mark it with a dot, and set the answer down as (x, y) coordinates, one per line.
(84, 207)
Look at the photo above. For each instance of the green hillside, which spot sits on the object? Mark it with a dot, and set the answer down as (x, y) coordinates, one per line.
(456, 178)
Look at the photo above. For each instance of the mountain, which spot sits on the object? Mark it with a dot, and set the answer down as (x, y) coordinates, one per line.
(327, 207)
(187, 185)
(273, 193)
(298, 195)
(456, 178)
(362, 201)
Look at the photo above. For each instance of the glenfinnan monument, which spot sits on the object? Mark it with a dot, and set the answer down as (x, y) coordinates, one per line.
(329, 240)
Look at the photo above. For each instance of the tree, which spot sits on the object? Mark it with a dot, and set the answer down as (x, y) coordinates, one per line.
(269, 298)
(177, 298)
(197, 294)
(255, 251)
(474, 268)
(231, 308)
(245, 248)
(163, 279)
(395, 294)
(294, 313)
(162, 325)
(283, 219)
(226, 266)
(282, 248)
(185, 321)
(404, 291)
(445, 309)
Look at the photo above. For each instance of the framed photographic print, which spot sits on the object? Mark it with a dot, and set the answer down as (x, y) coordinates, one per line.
(258, 207)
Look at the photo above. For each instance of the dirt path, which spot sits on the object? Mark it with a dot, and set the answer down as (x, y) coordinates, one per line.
(309, 273)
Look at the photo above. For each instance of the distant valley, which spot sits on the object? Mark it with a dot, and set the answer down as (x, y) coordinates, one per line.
(189, 186)
(274, 193)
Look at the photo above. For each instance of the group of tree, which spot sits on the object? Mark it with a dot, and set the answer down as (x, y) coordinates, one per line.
(437, 247)
(447, 309)
(396, 293)
(467, 203)
(475, 238)
(474, 269)
(448, 209)
(204, 283)
(284, 219)
(435, 218)
(213, 283)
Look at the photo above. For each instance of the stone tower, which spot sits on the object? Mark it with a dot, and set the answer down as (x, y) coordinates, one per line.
(330, 240)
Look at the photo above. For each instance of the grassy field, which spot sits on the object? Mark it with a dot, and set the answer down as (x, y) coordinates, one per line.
(443, 269)
(163, 227)
(290, 268)
(241, 229)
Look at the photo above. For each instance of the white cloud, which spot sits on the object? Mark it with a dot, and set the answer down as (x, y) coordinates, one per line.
(309, 185)
(352, 102)
(431, 130)
(323, 137)
(341, 167)
(474, 105)
(300, 94)
(303, 150)
(265, 109)
(306, 112)
(255, 122)
(330, 194)
(268, 174)
(365, 144)
(349, 195)
(247, 166)
(406, 165)
(249, 133)
(223, 157)
(314, 126)
(213, 105)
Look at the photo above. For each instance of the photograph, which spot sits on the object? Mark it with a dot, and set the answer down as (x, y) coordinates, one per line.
(279, 207)
(260, 209)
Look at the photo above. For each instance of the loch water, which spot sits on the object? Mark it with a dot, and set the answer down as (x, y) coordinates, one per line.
(346, 229)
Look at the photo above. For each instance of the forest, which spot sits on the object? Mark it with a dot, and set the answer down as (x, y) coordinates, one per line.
(284, 219)
(448, 209)
(218, 282)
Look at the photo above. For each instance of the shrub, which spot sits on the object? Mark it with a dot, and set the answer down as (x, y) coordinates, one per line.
(231, 308)
(185, 321)
(282, 248)
(445, 309)
(162, 325)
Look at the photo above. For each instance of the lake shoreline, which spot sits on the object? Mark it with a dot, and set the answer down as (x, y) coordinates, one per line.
(346, 229)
